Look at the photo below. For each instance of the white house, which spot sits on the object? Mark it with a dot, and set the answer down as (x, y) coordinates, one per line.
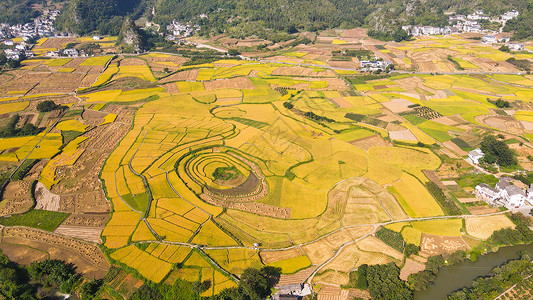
(515, 46)
(489, 39)
(96, 38)
(487, 193)
(514, 196)
(475, 155)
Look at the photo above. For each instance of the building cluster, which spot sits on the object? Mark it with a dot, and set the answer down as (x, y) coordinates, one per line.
(491, 39)
(460, 23)
(177, 30)
(70, 52)
(504, 194)
(43, 26)
(17, 51)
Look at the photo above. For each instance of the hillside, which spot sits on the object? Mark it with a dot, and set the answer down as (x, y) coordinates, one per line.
(267, 19)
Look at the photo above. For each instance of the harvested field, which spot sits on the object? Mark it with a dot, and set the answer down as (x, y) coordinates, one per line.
(411, 267)
(340, 102)
(320, 251)
(181, 76)
(90, 234)
(46, 200)
(435, 245)
(480, 210)
(397, 105)
(298, 277)
(369, 142)
(233, 83)
(269, 257)
(402, 135)
(88, 258)
(483, 227)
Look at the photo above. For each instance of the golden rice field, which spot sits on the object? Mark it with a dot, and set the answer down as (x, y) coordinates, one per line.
(216, 161)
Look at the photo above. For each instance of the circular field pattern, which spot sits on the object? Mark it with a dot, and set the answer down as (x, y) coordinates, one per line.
(222, 175)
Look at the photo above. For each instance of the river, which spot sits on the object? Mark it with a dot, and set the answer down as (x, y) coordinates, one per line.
(454, 277)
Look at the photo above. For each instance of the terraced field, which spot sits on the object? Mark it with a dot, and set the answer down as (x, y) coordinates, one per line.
(234, 164)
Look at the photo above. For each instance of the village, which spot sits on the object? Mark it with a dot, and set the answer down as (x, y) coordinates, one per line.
(461, 24)
(508, 192)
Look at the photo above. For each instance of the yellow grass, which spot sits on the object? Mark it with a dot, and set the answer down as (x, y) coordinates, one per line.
(109, 95)
(106, 75)
(96, 61)
(14, 142)
(338, 42)
(109, 118)
(58, 62)
(13, 107)
(292, 265)
(142, 72)
(71, 125)
(66, 70)
(414, 198)
(210, 234)
(142, 233)
(411, 235)
(450, 227)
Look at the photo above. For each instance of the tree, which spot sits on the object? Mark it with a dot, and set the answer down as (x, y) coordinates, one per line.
(384, 283)
(254, 284)
(411, 249)
(504, 48)
(498, 151)
(89, 289)
(46, 106)
(233, 52)
(502, 103)
(13, 64)
(288, 105)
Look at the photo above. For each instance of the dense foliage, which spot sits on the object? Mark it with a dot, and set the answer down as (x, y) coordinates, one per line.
(14, 281)
(447, 204)
(391, 238)
(47, 105)
(276, 20)
(104, 16)
(26, 283)
(497, 152)
(520, 235)
(384, 282)
(17, 11)
(11, 129)
(498, 281)
(523, 24)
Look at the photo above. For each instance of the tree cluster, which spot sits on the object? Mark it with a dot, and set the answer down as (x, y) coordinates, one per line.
(11, 130)
(47, 105)
(520, 235)
(384, 282)
(446, 203)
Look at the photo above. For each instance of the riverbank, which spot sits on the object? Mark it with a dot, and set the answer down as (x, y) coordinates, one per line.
(452, 278)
